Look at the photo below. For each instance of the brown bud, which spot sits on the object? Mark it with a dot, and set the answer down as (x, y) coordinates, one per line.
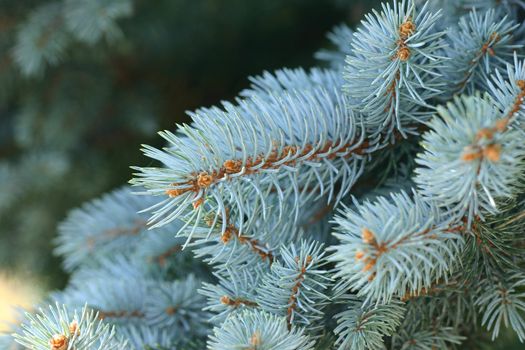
(175, 193)
(371, 277)
(367, 235)
(359, 255)
(226, 236)
(407, 28)
(226, 300)
(308, 259)
(171, 310)
(521, 84)
(403, 53)
(73, 328)
(485, 133)
(501, 124)
(232, 166)
(492, 152)
(204, 179)
(198, 203)
(255, 339)
(289, 149)
(369, 266)
(58, 342)
(470, 156)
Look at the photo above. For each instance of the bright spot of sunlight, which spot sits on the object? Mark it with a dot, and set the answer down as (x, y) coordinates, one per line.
(15, 291)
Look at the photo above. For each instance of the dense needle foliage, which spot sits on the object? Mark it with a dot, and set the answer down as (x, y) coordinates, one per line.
(375, 203)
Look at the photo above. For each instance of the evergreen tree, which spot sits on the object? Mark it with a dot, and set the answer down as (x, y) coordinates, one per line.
(377, 203)
(83, 83)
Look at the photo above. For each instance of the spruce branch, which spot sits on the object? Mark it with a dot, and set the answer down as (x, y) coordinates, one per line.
(363, 326)
(267, 84)
(394, 245)
(58, 329)
(446, 303)
(41, 41)
(508, 91)
(176, 305)
(90, 20)
(255, 245)
(258, 330)
(234, 292)
(393, 71)
(502, 302)
(483, 44)
(296, 286)
(251, 187)
(162, 257)
(51, 28)
(491, 245)
(119, 300)
(242, 242)
(112, 222)
(141, 337)
(472, 158)
(125, 293)
(314, 144)
(418, 337)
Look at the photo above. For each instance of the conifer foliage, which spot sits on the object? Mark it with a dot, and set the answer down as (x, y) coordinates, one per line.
(377, 203)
